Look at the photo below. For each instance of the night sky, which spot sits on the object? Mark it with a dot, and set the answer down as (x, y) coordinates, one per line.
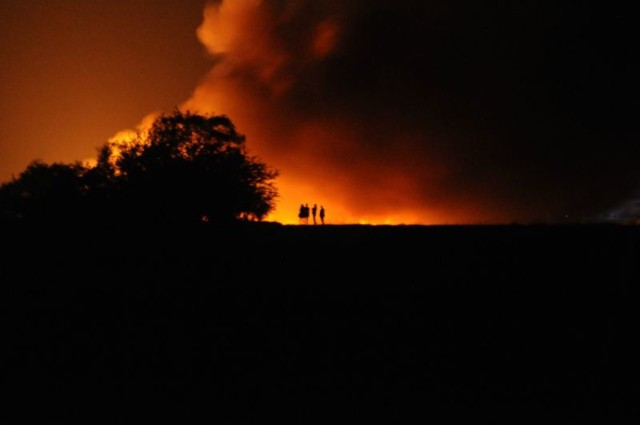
(383, 112)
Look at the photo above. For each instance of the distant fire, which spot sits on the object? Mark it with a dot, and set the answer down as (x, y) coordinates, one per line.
(277, 91)
(407, 112)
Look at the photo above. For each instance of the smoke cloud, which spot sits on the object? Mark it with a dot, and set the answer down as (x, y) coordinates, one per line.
(428, 111)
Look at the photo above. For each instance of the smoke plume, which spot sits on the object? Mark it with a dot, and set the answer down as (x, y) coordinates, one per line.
(426, 111)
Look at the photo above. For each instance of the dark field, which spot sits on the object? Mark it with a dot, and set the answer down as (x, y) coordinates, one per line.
(333, 324)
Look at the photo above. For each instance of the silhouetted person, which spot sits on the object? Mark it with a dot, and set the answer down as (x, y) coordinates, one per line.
(306, 213)
(314, 210)
(301, 213)
(322, 214)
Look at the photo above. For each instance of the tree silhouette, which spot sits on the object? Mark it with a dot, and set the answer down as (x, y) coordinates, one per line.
(186, 168)
(45, 192)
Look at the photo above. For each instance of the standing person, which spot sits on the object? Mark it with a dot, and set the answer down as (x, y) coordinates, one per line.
(314, 210)
(322, 214)
(306, 213)
(301, 213)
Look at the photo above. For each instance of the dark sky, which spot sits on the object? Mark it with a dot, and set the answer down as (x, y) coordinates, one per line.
(399, 112)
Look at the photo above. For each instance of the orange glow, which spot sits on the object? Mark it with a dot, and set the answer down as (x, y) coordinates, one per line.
(320, 159)
(325, 39)
(383, 112)
(240, 32)
(127, 136)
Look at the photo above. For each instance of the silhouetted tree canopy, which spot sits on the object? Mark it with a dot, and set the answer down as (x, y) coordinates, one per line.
(186, 168)
(50, 191)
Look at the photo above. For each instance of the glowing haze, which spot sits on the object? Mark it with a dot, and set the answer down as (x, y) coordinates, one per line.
(347, 100)
(411, 113)
(418, 111)
(272, 76)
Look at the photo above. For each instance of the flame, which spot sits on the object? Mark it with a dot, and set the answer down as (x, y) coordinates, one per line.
(271, 85)
(129, 135)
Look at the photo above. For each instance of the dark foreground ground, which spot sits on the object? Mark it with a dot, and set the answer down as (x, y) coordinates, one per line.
(315, 325)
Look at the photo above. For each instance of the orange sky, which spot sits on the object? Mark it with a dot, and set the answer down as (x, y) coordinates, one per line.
(80, 72)
(383, 113)
(75, 72)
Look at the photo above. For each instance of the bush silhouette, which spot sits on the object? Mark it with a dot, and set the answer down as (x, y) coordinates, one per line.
(186, 168)
(44, 192)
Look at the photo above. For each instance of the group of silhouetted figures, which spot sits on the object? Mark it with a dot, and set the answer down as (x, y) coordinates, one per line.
(303, 214)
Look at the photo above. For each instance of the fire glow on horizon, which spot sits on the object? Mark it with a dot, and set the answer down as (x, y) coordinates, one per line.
(417, 113)
(258, 79)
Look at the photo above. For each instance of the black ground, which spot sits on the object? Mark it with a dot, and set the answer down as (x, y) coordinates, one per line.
(325, 324)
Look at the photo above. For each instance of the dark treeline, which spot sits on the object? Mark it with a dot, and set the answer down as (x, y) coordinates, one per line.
(186, 168)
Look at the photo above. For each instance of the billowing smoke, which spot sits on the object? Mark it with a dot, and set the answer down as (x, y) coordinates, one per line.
(315, 96)
(428, 111)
